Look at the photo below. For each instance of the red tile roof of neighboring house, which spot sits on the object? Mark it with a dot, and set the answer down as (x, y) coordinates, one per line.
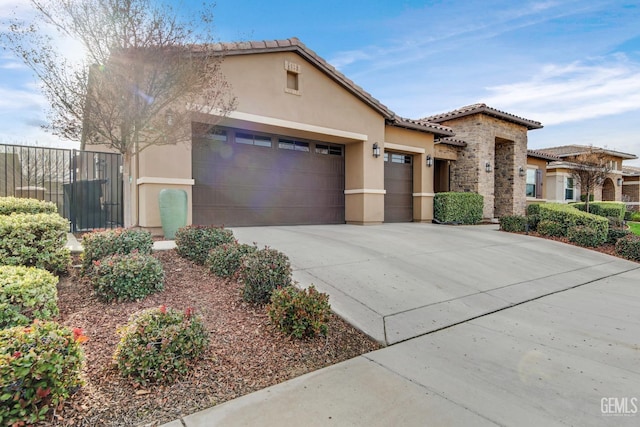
(483, 109)
(544, 156)
(451, 141)
(295, 45)
(575, 150)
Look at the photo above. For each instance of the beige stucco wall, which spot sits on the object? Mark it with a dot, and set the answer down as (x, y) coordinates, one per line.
(539, 164)
(322, 110)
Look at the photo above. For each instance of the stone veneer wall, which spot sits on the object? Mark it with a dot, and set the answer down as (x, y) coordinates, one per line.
(468, 173)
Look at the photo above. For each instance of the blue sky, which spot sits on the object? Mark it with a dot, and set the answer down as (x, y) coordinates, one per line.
(571, 64)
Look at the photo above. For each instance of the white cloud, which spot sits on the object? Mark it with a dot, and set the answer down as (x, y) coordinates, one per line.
(573, 92)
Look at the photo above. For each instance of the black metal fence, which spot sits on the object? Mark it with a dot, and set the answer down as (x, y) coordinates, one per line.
(86, 186)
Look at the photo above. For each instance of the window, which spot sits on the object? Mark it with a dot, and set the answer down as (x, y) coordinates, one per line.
(401, 158)
(217, 135)
(250, 139)
(288, 144)
(569, 189)
(531, 182)
(332, 150)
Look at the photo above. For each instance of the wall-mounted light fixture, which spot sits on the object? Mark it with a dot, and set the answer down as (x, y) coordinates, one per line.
(376, 150)
(487, 167)
(429, 161)
(619, 182)
(521, 171)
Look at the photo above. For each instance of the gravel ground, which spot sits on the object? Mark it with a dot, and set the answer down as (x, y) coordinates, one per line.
(246, 353)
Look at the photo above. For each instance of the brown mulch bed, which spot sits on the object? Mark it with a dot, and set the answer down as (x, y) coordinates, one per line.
(246, 353)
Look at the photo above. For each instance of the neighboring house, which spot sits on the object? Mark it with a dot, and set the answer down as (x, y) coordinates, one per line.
(561, 185)
(536, 175)
(306, 145)
(631, 187)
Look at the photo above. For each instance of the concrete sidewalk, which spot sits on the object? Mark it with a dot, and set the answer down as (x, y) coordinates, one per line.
(76, 247)
(489, 328)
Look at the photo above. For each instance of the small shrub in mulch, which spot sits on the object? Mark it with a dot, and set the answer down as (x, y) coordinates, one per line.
(616, 233)
(40, 367)
(300, 313)
(159, 344)
(194, 242)
(128, 277)
(262, 272)
(629, 247)
(102, 243)
(225, 260)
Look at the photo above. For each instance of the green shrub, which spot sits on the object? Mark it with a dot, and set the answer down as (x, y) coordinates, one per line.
(128, 277)
(102, 243)
(616, 233)
(513, 223)
(194, 242)
(263, 271)
(584, 236)
(550, 228)
(533, 209)
(629, 247)
(34, 240)
(458, 208)
(301, 313)
(567, 217)
(533, 221)
(39, 367)
(605, 209)
(159, 344)
(628, 215)
(26, 293)
(583, 198)
(635, 217)
(225, 260)
(10, 205)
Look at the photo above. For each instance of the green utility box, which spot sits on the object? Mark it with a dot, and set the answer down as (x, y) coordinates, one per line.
(173, 211)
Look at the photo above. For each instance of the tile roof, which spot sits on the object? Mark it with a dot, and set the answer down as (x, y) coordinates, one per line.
(630, 170)
(483, 109)
(295, 45)
(575, 150)
(451, 141)
(540, 155)
(420, 126)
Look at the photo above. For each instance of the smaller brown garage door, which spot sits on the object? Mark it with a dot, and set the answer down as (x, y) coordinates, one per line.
(398, 183)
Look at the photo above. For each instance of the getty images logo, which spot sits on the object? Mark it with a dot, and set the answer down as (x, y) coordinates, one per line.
(619, 406)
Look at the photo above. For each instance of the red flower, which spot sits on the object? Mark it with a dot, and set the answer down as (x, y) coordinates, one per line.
(163, 309)
(42, 393)
(96, 263)
(78, 336)
(188, 312)
(17, 354)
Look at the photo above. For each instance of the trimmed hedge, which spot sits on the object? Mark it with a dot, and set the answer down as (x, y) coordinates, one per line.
(128, 277)
(34, 240)
(194, 242)
(160, 344)
(567, 217)
(513, 223)
(121, 241)
(584, 236)
(605, 209)
(616, 233)
(26, 294)
(458, 208)
(10, 205)
(629, 247)
(550, 228)
(40, 366)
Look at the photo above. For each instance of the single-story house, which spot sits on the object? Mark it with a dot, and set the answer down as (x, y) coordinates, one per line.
(536, 176)
(306, 145)
(561, 186)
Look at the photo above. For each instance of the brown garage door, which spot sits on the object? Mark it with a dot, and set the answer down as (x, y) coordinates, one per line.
(246, 178)
(398, 183)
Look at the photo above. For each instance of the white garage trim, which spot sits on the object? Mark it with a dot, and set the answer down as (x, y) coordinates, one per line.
(164, 181)
(406, 148)
(365, 191)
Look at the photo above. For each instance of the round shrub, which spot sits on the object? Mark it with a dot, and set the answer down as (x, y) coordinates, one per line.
(9, 205)
(301, 313)
(159, 344)
(513, 223)
(194, 242)
(584, 236)
(615, 233)
(225, 260)
(629, 247)
(129, 277)
(39, 367)
(102, 243)
(550, 228)
(26, 293)
(262, 272)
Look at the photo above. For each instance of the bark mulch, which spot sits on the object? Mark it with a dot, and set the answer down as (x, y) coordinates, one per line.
(246, 353)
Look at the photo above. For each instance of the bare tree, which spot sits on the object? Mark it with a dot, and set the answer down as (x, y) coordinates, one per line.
(144, 75)
(590, 171)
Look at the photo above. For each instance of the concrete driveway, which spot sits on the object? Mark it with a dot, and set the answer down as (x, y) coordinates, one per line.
(400, 281)
(540, 333)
